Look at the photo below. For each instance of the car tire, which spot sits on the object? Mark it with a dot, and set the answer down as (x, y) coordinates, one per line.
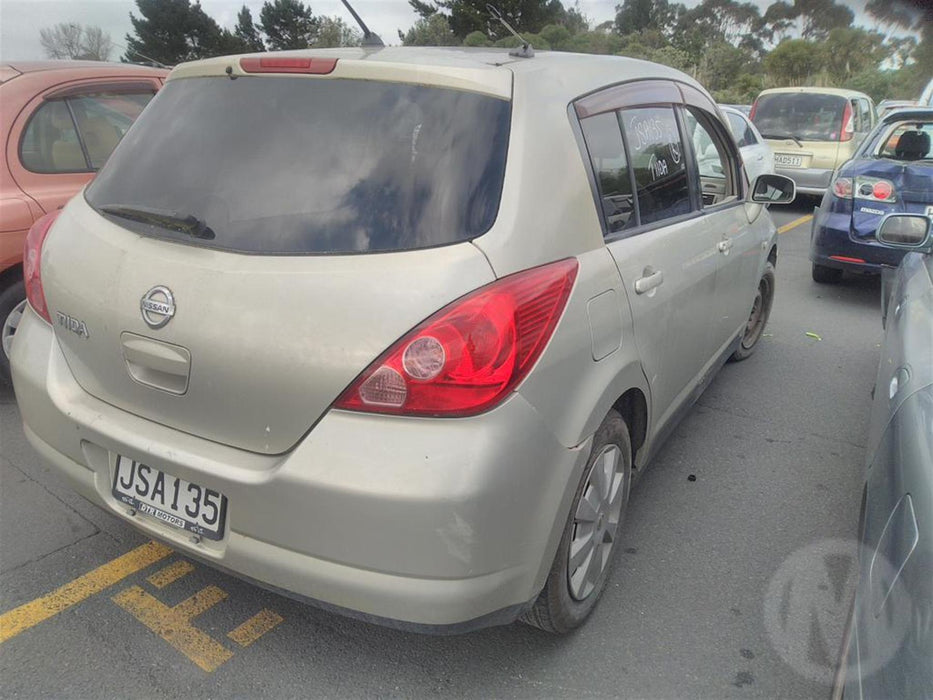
(758, 318)
(826, 275)
(592, 530)
(11, 301)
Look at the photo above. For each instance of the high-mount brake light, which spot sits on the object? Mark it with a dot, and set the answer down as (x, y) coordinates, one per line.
(32, 263)
(471, 354)
(288, 64)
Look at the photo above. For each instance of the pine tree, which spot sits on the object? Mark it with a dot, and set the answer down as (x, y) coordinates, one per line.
(288, 24)
(172, 31)
(248, 32)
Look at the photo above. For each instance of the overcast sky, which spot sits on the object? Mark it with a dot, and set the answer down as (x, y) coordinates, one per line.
(20, 20)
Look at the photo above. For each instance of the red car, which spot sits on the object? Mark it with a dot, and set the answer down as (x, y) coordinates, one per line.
(59, 121)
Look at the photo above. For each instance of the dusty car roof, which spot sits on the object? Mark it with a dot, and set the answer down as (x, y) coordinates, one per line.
(77, 69)
(481, 69)
(818, 90)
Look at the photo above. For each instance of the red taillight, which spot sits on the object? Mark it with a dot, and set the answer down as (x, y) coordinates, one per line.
(842, 187)
(285, 64)
(848, 124)
(751, 113)
(469, 355)
(32, 263)
(882, 190)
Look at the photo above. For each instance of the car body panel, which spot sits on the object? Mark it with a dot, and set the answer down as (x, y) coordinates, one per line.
(845, 227)
(418, 521)
(892, 637)
(816, 159)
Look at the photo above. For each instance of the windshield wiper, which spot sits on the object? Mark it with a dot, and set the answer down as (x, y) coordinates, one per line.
(784, 136)
(189, 225)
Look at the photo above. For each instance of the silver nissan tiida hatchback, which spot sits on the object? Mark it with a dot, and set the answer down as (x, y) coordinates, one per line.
(394, 330)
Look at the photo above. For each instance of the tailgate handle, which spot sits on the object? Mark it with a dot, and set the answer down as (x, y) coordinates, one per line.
(154, 363)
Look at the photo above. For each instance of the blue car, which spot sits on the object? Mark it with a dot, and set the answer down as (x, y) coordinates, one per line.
(891, 172)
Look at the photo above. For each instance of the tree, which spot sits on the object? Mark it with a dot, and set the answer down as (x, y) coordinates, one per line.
(793, 62)
(71, 40)
(639, 15)
(851, 50)
(333, 32)
(433, 30)
(288, 24)
(467, 16)
(248, 32)
(172, 31)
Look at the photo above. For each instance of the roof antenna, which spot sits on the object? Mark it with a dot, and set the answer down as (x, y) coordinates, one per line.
(369, 38)
(526, 50)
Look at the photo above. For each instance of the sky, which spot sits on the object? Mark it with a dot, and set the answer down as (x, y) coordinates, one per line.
(20, 20)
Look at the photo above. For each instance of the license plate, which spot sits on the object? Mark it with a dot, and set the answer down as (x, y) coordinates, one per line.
(172, 500)
(788, 160)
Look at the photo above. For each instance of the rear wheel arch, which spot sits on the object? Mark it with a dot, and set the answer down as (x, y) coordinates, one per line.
(633, 407)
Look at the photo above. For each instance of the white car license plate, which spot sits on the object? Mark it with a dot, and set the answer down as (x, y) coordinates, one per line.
(787, 160)
(170, 499)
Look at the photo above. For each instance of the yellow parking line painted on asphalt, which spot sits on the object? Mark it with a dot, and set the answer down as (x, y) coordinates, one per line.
(171, 573)
(174, 624)
(200, 602)
(32, 613)
(795, 223)
(255, 627)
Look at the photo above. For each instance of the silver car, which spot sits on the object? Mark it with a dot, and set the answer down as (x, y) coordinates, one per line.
(393, 331)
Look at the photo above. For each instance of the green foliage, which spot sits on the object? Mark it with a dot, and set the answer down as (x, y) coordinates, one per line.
(476, 39)
(433, 30)
(512, 42)
(333, 32)
(172, 31)
(467, 16)
(247, 32)
(640, 15)
(557, 36)
(288, 24)
(850, 50)
(793, 62)
(877, 84)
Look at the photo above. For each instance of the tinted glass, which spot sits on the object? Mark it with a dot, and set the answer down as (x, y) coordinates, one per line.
(805, 115)
(657, 159)
(296, 165)
(103, 119)
(744, 136)
(607, 154)
(50, 143)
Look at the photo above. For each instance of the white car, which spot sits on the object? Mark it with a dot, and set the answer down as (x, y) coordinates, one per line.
(757, 154)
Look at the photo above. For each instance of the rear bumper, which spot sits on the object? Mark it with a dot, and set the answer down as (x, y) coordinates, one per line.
(808, 180)
(433, 525)
(830, 240)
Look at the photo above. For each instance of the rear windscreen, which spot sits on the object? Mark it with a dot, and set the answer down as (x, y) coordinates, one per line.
(801, 115)
(283, 165)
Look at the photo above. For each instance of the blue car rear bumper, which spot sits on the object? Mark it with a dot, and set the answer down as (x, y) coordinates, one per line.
(832, 245)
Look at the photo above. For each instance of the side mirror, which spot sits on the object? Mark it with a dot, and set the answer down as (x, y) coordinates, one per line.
(773, 189)
(905, 231)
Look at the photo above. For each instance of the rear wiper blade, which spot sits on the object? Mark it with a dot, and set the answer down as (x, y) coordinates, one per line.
(173, 221)
(784, 136)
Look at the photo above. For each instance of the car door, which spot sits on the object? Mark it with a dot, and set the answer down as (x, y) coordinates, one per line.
(738, 243)
(64, 134)
(666, 256)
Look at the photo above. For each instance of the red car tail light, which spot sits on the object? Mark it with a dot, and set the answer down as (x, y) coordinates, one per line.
(842, 187)
(848, 124)
(751, 113)
(32, 263)
(468, 356)
(285, 64)
(874, 189)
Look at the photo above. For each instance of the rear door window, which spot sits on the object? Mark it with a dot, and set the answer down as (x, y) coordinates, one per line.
(51, 142)
(282, 165)
(806, 116)
(741, 130)
(658, 162)
(607, 155)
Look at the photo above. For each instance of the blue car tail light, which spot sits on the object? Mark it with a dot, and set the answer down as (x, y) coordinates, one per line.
(874, 189)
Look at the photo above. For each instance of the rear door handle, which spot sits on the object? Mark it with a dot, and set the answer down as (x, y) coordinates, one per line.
(724, 245)
(650, 280)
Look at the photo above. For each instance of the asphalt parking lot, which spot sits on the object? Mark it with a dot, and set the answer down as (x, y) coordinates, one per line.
(732, 580)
